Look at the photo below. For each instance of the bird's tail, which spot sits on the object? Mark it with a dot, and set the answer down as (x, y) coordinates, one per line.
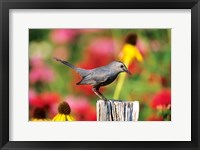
(81, 71)
(66, 63)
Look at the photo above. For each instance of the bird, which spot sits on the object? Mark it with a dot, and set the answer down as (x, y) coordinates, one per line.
(98, 77)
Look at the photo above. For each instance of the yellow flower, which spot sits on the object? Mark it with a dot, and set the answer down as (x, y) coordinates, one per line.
(64, 111)
(128, 53)
(63, 117)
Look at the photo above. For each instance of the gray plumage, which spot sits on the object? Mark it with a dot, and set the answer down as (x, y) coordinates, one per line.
(98, 77)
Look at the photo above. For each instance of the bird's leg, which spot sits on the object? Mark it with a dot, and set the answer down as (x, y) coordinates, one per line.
(96, 91)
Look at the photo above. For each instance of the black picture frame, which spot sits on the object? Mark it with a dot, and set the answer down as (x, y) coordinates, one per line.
(6, 5)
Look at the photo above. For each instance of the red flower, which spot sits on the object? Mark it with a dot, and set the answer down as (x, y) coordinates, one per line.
(162, 99)
(134, 68)
(34, 99)
(50, 98)
(46, 100)
(87, 64)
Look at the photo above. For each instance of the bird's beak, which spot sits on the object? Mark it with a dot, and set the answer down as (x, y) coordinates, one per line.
(127, 71)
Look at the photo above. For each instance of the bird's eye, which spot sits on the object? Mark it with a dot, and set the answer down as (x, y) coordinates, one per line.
(122, 66)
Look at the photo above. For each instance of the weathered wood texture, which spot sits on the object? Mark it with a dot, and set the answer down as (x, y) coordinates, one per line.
(117, 110)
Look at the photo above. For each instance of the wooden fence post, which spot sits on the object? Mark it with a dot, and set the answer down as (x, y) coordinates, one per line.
(117, 110)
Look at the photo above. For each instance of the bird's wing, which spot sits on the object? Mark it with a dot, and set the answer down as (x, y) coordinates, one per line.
(97, 76)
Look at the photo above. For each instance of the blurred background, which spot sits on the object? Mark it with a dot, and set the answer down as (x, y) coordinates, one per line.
(51, 83)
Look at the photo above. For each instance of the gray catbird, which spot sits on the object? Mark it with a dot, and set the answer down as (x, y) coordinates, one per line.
(100, 76)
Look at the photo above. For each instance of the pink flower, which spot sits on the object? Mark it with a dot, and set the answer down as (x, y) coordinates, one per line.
(101, 51)
(32, 94)
(142, 46)
(44, 74)
(62, 36)
(162, 99)
(39, 71)
(36, 61)
(81, 108)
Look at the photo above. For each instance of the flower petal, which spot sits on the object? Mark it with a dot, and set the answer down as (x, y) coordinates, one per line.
(58, 118)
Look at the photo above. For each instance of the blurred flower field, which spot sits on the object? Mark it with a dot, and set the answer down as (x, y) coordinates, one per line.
(52, 83)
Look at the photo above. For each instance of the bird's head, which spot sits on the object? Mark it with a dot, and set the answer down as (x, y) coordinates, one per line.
(120, 67)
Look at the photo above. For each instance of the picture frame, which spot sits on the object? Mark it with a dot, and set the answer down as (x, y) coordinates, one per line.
(6, 5)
